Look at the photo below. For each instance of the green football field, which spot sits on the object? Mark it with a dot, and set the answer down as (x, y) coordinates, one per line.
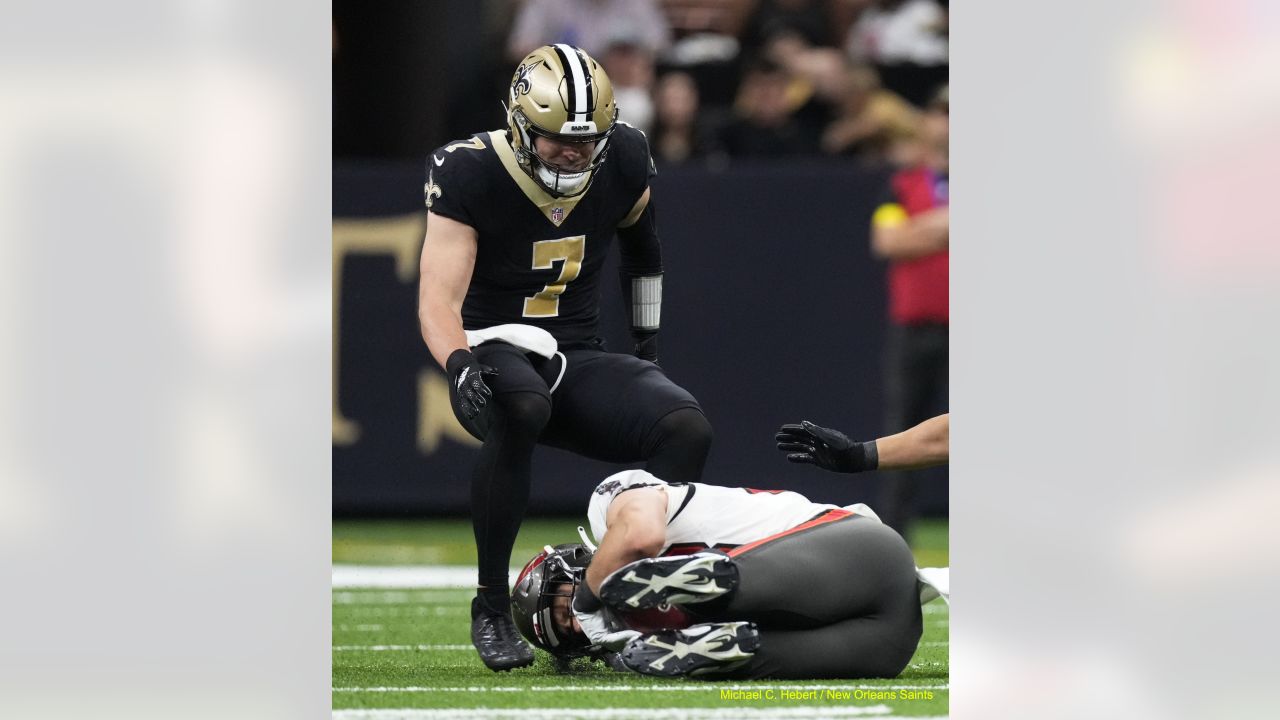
(401, 645)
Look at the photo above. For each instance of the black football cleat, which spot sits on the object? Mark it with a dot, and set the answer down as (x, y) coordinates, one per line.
(699, 650)
(496, 639)
(675, 580)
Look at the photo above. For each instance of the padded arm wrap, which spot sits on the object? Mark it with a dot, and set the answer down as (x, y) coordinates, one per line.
(646, 302)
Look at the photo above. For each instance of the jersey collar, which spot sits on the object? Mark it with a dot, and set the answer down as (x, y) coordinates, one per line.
(555, 209)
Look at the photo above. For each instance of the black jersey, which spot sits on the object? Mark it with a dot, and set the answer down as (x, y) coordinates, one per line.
(538, 257)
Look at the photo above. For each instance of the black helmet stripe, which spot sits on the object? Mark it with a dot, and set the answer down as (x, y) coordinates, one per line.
(576, 75)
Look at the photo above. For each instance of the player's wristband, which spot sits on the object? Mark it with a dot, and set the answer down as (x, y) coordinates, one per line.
(646, 344)
(585, 601)
(458, 359)
(858, 457)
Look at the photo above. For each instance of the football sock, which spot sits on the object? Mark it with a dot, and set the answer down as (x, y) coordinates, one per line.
(500, 483)
(497, 599)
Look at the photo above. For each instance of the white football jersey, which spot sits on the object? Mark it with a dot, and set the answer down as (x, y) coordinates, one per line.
(711, 516)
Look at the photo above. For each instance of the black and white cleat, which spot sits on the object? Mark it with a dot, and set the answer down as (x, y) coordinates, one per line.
(675, 580)
(709, 649)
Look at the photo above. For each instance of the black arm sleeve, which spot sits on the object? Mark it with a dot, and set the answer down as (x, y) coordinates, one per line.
(640, 257)
(641, 252)
(640, 272)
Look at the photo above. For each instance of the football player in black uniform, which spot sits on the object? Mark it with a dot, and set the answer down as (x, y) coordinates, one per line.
(519, 223)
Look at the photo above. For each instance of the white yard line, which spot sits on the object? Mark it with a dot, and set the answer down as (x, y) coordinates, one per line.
(398, 597)
(398, 648)
(669, 713)
(398, 611)
(393, 648)
(441, 577)
(406, 577)
(638, 688)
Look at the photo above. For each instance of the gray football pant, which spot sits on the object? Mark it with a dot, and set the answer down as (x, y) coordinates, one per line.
(838, 600)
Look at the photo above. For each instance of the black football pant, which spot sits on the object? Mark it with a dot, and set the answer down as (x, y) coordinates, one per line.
(916, 388)
(837, 600)
(606, 406)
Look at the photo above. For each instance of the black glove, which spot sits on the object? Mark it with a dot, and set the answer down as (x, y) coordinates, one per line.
(467, 389)
(584, 600)
(646, 345)
(828, 449)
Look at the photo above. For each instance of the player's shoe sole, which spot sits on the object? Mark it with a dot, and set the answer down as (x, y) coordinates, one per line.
(675, 580)
(710, 649)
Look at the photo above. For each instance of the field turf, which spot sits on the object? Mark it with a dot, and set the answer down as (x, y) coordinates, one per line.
(404, 651)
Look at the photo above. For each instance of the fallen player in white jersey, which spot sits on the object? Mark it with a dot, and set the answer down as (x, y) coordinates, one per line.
(702, 580)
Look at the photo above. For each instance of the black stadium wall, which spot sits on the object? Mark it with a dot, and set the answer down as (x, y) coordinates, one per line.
(774, 311)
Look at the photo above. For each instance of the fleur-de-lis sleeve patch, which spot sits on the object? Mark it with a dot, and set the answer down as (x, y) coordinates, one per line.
(431, 190)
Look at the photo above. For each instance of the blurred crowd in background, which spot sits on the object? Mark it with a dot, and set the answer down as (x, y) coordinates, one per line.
(709, 81)
(857, 86)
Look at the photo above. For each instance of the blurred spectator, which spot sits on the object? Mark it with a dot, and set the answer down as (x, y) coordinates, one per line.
(816, 77)
(678, 136)
(766, 125)
(712, 17)
(630, 68)
(588, 24)
(706, 46)
(911, 229)
(821, 67)
(809, 18)
(907, 42)
(870, 118)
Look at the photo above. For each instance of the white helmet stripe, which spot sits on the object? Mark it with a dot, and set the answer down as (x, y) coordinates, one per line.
(587, 81)
(549, 627)
(577, 76)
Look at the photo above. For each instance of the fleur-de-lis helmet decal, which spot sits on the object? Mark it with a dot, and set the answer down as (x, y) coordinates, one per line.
(560, 92)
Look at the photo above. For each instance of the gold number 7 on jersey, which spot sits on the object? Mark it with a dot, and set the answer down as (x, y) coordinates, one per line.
(570, 251)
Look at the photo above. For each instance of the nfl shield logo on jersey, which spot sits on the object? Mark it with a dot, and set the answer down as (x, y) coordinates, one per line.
(557, 214)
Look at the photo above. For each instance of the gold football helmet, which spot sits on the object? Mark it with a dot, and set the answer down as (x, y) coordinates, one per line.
(561, 93)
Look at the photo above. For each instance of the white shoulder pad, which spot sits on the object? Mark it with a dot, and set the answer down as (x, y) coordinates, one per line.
(607, 490)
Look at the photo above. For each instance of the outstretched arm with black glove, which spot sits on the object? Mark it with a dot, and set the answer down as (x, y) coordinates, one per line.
(640, 271)
(448, 258)
(924, 445)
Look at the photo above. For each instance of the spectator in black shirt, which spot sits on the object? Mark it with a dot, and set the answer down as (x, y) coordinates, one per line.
(766, 125)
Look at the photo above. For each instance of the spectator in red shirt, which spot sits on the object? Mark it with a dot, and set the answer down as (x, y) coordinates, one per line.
(911, 230)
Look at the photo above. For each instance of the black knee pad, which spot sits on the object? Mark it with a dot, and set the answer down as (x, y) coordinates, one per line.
(523, 414)
(686, 427)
